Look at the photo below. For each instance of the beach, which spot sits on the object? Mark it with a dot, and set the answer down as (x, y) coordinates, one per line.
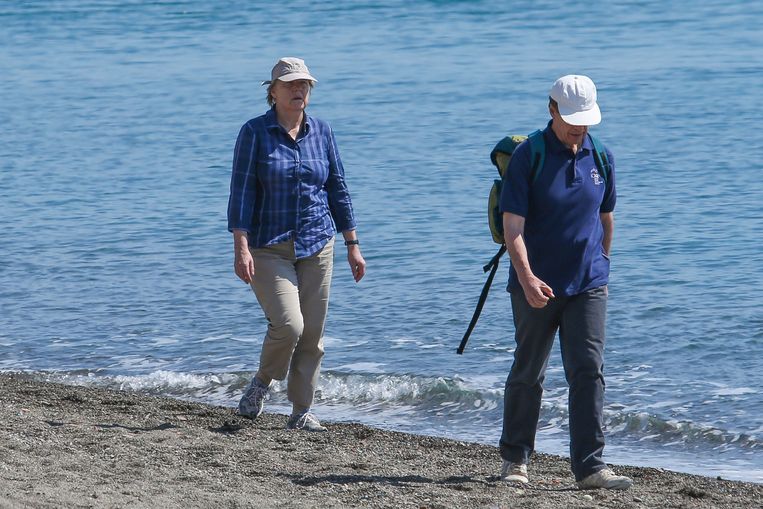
(74, 446)
(120, 125)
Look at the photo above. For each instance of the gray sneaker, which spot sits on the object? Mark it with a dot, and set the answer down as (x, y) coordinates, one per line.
(514, 472)
(607, 479)
(252, 401)
(304, 421)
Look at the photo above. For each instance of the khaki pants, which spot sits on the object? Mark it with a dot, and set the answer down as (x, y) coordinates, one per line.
(294, 295)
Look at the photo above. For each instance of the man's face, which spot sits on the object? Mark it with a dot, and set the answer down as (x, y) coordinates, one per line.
(570, 135)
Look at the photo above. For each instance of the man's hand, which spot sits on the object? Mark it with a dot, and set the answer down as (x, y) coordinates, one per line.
(536, 291)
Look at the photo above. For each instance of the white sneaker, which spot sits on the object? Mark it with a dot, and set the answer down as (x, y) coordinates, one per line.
(305, 421)
(514, 472)
(607, 479)
(253, 400)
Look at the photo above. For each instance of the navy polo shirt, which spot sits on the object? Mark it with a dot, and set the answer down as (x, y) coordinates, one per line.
(563, 232)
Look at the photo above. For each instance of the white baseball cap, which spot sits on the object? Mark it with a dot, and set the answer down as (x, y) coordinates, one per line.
(576, 97)
(290, 69)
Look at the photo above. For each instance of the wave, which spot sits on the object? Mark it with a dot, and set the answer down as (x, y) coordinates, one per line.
(418, 403)
(645, 427)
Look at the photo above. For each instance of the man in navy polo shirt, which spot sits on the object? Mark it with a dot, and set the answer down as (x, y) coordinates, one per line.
(558, 231)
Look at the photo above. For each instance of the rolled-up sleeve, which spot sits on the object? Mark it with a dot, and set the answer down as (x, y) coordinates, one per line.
(243, 182)
(340, 204)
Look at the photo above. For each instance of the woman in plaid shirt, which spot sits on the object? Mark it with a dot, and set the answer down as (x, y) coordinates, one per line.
(288, 199)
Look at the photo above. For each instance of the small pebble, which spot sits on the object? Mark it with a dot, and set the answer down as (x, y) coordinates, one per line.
(587, 497)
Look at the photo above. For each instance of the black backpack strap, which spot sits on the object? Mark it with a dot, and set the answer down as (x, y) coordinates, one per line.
(492, 266)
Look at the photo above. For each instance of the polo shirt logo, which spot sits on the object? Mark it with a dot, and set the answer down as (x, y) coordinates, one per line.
(596, 177)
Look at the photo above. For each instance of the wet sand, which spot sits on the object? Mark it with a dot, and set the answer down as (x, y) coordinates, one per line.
(68, 446)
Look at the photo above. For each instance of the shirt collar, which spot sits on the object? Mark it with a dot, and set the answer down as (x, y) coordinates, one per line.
(271, 121)
(553, 143)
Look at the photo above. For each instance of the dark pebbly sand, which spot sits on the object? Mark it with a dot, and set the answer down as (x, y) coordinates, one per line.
(67, 446)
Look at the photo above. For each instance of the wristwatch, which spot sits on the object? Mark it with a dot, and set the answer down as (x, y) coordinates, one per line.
(355, 242)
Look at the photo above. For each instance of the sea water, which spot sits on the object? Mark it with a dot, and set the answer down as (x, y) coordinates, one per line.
(117, 125)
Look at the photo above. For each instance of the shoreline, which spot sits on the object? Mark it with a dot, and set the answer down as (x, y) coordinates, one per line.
(73, 446)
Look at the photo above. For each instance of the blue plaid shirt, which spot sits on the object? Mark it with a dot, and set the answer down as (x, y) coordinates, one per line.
(284, 189)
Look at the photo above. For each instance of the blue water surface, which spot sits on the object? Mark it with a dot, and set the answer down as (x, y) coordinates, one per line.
(118, 121)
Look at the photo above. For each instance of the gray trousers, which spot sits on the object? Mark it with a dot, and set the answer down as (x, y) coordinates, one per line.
(580, 320)
(294, 295)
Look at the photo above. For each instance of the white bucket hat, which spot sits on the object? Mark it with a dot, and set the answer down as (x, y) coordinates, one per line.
(290, 69)
(575, 96)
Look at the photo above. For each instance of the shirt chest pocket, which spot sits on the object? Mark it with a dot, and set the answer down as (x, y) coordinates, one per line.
(315, 169)
(286, 166)
(278, 168)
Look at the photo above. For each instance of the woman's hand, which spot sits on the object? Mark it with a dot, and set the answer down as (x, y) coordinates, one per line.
(357, 263)
(243, 263)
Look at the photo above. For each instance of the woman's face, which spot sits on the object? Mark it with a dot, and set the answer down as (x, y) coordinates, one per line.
(291, 95)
